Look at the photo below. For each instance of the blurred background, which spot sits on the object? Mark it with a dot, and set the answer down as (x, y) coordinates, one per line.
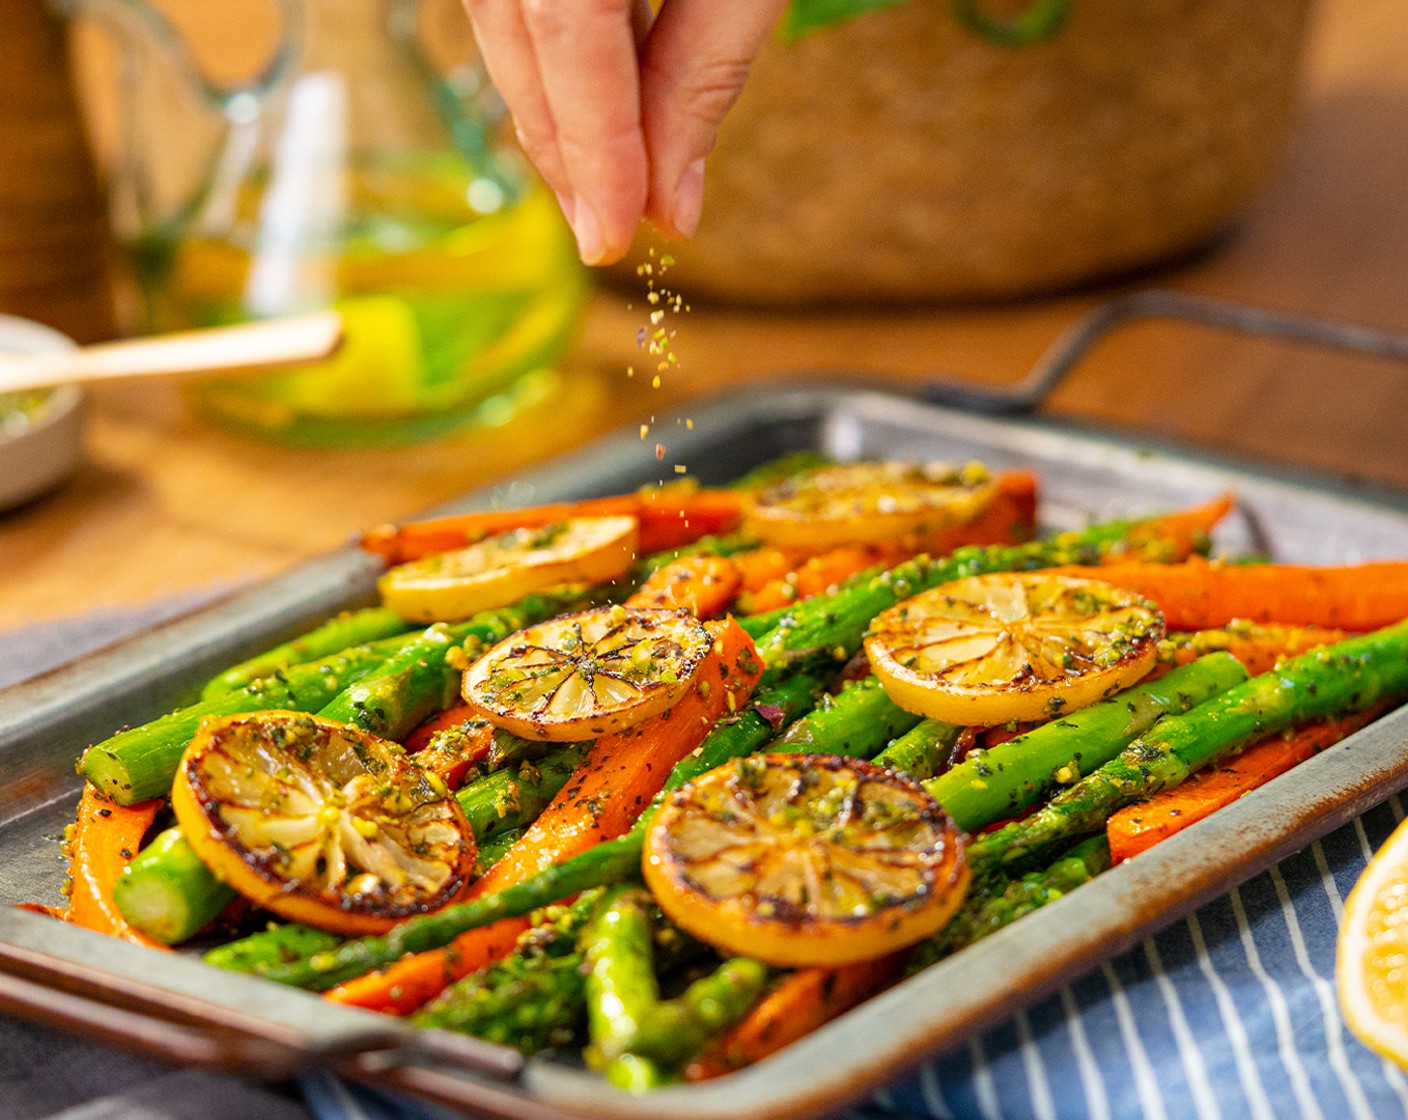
(894, 198)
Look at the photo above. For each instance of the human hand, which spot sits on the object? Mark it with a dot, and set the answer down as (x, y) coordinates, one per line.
(618, 108)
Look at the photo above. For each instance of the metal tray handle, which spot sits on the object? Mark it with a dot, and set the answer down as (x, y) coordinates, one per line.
(1073, 344)
(180, 1043)
(129, 1007)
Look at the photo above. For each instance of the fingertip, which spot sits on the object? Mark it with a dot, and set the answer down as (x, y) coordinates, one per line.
(586, 230)
(689, 200)
(608, 210)
(598, 243)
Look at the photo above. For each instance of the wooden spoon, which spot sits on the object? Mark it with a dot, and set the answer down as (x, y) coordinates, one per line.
(247, 348)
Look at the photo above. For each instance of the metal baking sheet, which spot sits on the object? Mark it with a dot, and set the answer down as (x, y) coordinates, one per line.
(178, 1008)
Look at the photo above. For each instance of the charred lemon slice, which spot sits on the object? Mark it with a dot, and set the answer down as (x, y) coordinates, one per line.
(991, 649)
(585, 675)
(803, 860)
(500, 569)
(864, 503)
(320, 822)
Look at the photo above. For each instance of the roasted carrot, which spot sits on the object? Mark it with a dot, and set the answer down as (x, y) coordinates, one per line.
(760, 566)
(669, 516)
(774, 578)
(703, 585)
(464, 739)
(616, 781)
(1010, 518)
(452, 716)
(104, 839)
(1139, 827)
(1198, 595)
(799, 1004)
(817, 575)
(1258, 646)
(1173, 536)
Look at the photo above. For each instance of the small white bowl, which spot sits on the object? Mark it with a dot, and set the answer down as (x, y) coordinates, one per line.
(38, 449)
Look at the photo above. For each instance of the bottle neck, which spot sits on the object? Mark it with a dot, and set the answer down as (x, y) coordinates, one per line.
(353, 35)
(363, 57)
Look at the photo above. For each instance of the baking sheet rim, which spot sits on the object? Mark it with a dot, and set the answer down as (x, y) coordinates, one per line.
(823, 1070)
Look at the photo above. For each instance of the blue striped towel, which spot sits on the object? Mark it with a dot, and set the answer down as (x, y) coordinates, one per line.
(1230, 1012)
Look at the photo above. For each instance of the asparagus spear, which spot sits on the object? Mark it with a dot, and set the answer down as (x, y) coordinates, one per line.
(167, 892)
(278, 944)
(350, 628)
(854, 723)
(616, 863)
(512, 797)
(492, 850)
(137, 764)
(673, 1031)
(992, 785)
(922, 750)
(620, 984)
(1334, 680)
(769, 712)
(1002, 902)
(533, 998)
(507, 749)
(757, 625)
(537, 996)
(417, 681)
(636, 1036)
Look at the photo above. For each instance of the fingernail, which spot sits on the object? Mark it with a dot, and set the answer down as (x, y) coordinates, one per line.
(689, 199)
(587, 228)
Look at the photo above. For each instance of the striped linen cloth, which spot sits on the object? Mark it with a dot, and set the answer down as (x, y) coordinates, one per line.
(1230, 1013)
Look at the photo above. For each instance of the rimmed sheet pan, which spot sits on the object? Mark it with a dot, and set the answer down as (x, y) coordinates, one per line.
(179, 1009)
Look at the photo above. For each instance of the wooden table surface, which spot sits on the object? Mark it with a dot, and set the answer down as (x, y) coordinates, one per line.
(167, 504)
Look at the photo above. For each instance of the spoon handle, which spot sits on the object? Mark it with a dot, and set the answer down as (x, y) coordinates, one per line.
(245, 348)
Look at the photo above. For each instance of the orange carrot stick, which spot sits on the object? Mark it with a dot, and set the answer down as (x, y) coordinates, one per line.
(1009, 518)
(616, 781)
(1258, 646)
(452, 757)
(1198, 595)
(703, 585)
(798, 1005)
(760, 566)
(1139, 827)
(1173, 536)
(105, 838)
(818, 574)
(669, 516)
